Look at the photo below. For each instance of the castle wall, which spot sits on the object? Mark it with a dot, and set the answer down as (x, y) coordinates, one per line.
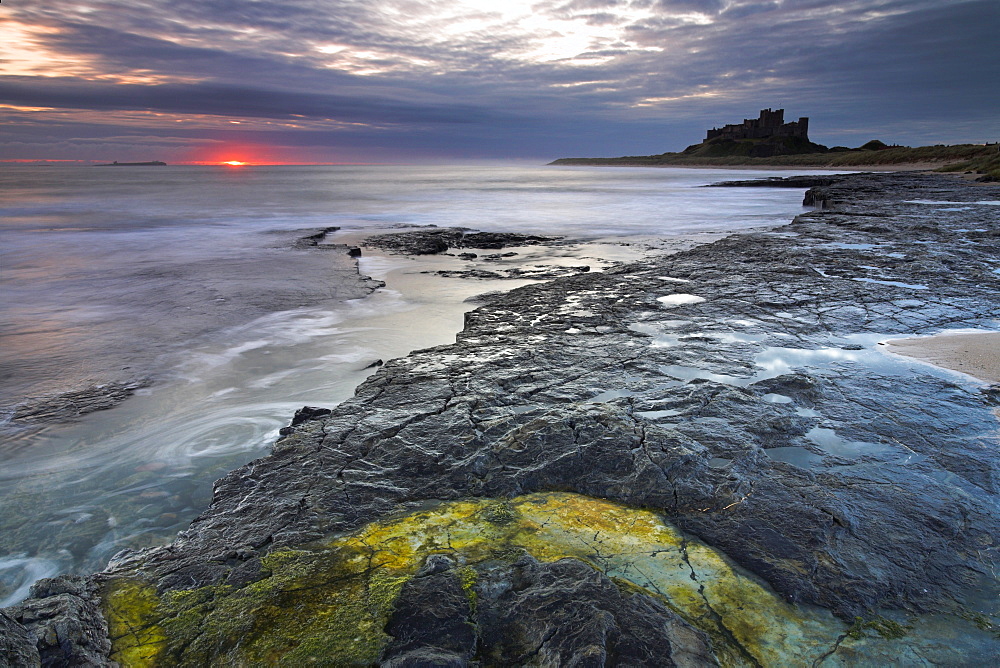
(771, 123)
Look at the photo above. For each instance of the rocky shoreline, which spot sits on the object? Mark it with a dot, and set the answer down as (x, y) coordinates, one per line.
(696, 459)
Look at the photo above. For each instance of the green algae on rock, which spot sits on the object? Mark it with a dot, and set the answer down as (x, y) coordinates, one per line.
(314, 603)
(332, 602)
(132, 610)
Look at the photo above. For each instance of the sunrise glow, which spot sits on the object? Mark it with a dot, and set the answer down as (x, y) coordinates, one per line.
(235, 163)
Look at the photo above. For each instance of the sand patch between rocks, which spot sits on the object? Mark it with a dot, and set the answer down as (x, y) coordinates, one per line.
(976, 354)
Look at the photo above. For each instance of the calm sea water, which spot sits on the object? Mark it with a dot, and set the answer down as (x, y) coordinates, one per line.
(186, 277)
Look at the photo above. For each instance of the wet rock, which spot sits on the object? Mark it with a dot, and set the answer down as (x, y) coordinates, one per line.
(472, 274)
(568, 614)
(430, 241)
(304, 414)
(432, 623)
(563, 613)
(484, 297)
(804, 181)
(424, 241)
(445, 429)
(17, 646)
(70, 405)
(63, 616)
(307, 413)
(500, 272)
(246, 572)
(314, 239)
(495, 240)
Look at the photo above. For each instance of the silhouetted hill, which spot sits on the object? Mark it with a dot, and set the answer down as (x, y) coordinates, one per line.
(977, 158)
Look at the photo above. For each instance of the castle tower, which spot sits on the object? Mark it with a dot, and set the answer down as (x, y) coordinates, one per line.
(772, 119)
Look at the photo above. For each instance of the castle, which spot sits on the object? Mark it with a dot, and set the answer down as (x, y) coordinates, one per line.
(770, 124)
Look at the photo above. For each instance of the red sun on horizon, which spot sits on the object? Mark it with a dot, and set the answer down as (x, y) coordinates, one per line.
(235, 155)
(229, 155)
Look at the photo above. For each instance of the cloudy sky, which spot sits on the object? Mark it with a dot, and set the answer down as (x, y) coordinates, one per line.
(412, 80)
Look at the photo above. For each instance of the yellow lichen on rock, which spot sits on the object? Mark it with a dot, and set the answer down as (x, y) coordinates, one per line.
(332, 602)
(744, 617)
(129, 607)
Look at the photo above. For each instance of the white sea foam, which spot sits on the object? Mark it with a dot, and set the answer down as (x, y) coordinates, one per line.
(679, 299)
(19, 572)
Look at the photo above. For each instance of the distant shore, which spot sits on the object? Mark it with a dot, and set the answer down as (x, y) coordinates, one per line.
(981, 160)
(150, 163)
(904, 167)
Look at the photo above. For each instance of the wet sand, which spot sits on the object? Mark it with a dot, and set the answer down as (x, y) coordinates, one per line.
(976, 354)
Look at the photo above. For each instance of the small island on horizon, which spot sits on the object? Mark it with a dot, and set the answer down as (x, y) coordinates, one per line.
(768, 141)
(151, 163)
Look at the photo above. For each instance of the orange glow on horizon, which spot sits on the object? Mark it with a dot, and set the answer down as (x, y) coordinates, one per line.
(228, 154)
(275, 163)
(240, 154)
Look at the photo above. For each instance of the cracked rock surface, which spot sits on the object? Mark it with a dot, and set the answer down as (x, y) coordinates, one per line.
(738, 389)
(63, 619)
(17, 646)
(560, 613)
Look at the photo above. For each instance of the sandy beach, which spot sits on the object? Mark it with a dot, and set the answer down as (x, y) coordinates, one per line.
(976, 354)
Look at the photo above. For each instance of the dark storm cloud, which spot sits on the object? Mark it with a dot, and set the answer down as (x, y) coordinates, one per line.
(930, 59)
(704, 6)
(225, 100)
(591, 76)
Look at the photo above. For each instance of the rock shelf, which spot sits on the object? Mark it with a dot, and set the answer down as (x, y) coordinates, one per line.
(696, 459)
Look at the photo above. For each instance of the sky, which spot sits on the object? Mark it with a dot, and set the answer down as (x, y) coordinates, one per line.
(374, 81)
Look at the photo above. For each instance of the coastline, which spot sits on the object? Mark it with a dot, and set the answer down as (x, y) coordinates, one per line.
(971, 158)
(729, 409)
(839, 169)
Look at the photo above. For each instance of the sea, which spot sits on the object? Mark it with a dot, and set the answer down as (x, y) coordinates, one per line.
(188, 285)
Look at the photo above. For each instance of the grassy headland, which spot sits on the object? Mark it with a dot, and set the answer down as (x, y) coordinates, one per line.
(983, 160)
